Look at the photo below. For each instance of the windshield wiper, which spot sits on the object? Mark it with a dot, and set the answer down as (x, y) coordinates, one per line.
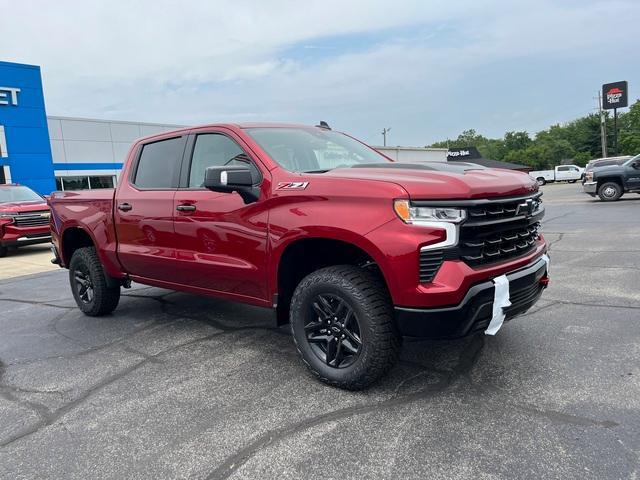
(316, 171)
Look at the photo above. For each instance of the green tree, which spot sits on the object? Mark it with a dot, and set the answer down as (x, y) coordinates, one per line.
(629, 140)
(577, 141)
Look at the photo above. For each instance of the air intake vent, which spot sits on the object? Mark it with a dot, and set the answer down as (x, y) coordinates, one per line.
(430, 261)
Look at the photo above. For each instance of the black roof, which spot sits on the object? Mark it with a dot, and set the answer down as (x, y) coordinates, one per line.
(473, 155)
(485, 162)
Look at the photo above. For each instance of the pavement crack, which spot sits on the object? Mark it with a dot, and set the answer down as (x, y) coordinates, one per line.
(557, 240)
(557, 217)
(33, 302)
(603, 305)
(49, 418)
(463, 368)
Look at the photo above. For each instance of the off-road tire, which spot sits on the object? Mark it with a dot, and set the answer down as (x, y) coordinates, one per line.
(610, 192)
(369, 300)
(105, 298)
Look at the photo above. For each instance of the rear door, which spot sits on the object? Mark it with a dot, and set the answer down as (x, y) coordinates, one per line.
(563, 173)
(144, 209)
(221, 241)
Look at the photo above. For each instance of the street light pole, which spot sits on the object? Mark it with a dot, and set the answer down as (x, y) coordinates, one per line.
(384, 135)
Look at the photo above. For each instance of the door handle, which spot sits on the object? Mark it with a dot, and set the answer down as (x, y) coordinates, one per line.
(186, 208)
(125, 207)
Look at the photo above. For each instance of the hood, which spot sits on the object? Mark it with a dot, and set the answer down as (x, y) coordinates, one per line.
(444, 181)
(30, 206)
(606, 168)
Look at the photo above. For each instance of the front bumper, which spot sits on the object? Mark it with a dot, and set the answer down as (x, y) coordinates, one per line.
(12, 236)
(474, 312)
(591, 188)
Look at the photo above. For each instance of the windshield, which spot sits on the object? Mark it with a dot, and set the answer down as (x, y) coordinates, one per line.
(18, 194)
(633, 159)
(313, 149)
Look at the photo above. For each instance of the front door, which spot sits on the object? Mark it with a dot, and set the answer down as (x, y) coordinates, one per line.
(221, 242)
(632, 174)
(144, 210)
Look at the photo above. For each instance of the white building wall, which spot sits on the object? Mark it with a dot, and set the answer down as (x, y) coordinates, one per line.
(84, 141)
(414, 154)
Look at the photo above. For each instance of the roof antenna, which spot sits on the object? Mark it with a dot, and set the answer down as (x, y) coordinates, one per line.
(324, 125)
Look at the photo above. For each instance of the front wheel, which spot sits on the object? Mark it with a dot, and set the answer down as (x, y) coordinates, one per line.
(541, 181)
(610, 192)
(89, 284)
(573, 181)
(3, 251)
(343, 326)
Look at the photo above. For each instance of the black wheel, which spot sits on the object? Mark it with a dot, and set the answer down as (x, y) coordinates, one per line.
(343, 327)
(610, 192)
(3, 251)
(573, 181)
(541, 181)
(89, 285)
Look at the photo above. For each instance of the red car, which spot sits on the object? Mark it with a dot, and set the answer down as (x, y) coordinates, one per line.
(350, 248)
(24, 218)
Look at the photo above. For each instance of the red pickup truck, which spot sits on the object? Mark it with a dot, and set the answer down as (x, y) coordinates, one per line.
(24, 218)
(352, 249)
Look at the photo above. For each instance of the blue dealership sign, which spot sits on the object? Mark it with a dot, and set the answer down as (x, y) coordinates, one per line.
(25, 148)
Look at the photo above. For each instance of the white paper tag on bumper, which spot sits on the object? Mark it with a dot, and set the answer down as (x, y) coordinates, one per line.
(547, 260)
(500, 301)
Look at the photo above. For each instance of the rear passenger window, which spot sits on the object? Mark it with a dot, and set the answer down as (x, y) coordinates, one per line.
(159, 164)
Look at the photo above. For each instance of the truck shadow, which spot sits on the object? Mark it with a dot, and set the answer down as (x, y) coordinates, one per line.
(420, 360)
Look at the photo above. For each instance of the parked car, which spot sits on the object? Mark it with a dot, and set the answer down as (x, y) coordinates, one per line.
(561, 173)
(350, 248)
(610, 182)
(24, 218)
(602, 162)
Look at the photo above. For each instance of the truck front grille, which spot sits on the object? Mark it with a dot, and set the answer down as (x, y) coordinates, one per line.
(494, 230)
(32, 219)
(481, 245)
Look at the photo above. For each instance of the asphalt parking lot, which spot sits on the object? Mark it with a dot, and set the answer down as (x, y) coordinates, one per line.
(177, 386)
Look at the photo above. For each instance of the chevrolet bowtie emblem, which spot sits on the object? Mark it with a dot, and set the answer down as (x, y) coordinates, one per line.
(526, 208)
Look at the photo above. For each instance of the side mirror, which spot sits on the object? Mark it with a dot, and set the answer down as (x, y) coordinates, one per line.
(636, 164)
(232, 179)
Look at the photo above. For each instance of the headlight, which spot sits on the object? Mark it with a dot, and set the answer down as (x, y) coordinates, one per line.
(412, 214)
(6, 217)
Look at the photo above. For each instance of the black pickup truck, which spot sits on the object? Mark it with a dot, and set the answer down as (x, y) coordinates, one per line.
(610, 182)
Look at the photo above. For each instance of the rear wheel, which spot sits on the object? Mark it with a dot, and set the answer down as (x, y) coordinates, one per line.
(573, 181)
(343, 327)
(541, 181)
(3, 251)
(610, 192)
(89, 284)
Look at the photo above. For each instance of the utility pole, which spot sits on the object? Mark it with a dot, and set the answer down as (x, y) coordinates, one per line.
(603, 126)
(384, 135)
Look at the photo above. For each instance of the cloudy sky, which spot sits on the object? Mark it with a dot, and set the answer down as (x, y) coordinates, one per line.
(426, 69)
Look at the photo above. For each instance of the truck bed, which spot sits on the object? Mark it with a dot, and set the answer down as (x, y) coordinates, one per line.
(92, 211)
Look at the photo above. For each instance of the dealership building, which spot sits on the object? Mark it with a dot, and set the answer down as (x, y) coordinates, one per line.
(50, 153)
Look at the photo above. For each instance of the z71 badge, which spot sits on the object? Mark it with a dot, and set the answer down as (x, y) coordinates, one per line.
(292, 185)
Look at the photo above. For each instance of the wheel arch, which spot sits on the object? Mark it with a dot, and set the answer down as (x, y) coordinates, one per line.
(73, 238)
(299, 256)
(614, 178)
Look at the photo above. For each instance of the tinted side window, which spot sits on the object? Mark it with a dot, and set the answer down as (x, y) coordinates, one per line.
(563, 169)
(216, 150)
(159, 164)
